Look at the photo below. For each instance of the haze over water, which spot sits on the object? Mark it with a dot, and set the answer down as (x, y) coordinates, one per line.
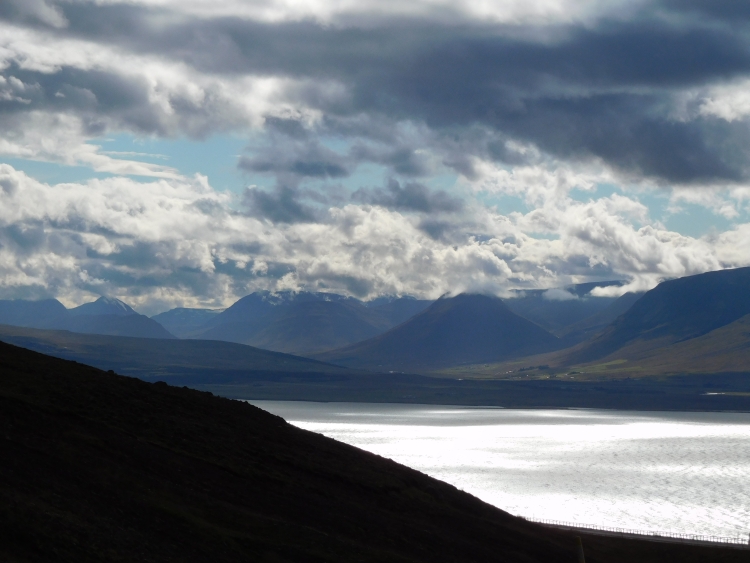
(663, 471)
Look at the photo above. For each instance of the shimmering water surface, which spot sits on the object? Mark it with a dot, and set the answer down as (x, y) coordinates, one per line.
(684, 472)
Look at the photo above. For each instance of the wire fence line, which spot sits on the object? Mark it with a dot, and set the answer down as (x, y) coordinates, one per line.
(735, 540)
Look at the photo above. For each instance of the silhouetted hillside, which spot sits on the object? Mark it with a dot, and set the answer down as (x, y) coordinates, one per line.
(465, 329)
(99, 468)
(675, 310)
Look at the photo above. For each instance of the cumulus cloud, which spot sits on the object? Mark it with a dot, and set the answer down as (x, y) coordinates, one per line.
(179, 242)
(540, 101)
(412, 196)
(557, 294)
(607, 89)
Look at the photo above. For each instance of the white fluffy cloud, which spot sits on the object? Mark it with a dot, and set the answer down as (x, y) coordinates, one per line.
(337, 11)
(179, 242)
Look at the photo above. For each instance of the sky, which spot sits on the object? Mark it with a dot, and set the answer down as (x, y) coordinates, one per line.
(187, 153)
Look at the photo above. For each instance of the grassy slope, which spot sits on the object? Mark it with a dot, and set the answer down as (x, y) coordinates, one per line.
(724, 350)
(98, 467)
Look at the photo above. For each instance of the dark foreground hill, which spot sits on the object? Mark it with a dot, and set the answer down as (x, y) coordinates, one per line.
(96, 467)
(466, 329)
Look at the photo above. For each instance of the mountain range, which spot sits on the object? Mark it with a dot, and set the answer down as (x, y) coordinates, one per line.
(675, 311)
(659, 331)
(106, 315)
(464, 329)
(183, 321)
(307, 323)
(171, 360)
(303, 323)
(558, 308)
(697, 324)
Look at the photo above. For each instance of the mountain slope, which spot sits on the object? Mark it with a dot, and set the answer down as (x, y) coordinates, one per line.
(40, 314)
(183, 321)
(103, 316)
(554, 309)
(103, 306)
(135, 325)
(299, 323)
(97, 467)
(464, 329)
(171, 360)
(312, 326)
(580, 331)
(396, 310)
(674, 311)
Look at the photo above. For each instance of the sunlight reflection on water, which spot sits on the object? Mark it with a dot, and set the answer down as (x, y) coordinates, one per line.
(682, 472)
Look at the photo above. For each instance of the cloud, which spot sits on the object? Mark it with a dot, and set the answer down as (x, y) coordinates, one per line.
(281, 206)
(410, 196)
(290, 158)
(577, 80)
(35, 11)
(178, 242)
(558, 295)
(543, 102)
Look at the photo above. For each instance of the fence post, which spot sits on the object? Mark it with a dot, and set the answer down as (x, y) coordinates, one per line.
(581, 556)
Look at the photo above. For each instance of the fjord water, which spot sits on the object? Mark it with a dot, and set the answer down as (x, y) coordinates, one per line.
(661, 471)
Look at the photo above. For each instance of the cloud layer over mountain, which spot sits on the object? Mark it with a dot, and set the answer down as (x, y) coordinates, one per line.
(388, 134)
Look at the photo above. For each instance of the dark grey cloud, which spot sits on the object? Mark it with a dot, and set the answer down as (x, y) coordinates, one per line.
(411, 196)
(603, 90)
(731, 10)
(403, 160)
(309, 160)
(282, 205)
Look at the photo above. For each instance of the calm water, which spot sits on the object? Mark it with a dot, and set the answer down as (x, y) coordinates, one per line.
(686, 472)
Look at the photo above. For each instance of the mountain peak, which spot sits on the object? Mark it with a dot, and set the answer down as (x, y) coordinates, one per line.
(104, 306)
(468, 328)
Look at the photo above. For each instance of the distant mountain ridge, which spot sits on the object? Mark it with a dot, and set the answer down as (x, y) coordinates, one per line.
(106, 315)
(174, 360)
(103, 306)
(465, 329)
(184, 321)
(304, 322)
(674, 311)
(556, 309)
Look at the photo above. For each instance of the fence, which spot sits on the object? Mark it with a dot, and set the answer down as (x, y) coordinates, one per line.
(736, 540)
